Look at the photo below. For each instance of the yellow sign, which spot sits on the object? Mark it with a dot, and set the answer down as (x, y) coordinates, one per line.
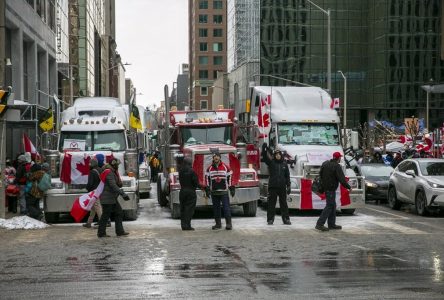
(248, 105)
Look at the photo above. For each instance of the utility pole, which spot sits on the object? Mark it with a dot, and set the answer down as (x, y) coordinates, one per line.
(3, 119)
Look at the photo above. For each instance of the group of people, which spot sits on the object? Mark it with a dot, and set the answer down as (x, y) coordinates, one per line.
(26, 184)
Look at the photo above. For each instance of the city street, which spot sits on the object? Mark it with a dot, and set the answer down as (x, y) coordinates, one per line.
(380, 253)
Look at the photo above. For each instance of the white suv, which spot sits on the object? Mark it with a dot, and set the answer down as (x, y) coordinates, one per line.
(419, 182)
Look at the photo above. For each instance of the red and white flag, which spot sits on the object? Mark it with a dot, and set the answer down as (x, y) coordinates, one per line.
(310, 200)
(263, 116)
(83, 204)
(28, 146)
(75, 168)
(335, 102)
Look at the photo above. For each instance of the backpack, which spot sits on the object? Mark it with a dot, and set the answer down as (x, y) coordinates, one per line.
(44, 183)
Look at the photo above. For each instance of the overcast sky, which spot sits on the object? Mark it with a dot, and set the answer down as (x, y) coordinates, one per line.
(152, 35)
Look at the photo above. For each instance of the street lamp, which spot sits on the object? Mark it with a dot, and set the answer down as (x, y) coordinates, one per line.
(345, 104)
(428, 89)
(327, 12)
(116, 65)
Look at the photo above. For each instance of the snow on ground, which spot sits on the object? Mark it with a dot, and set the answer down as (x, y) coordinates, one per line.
(22, 222)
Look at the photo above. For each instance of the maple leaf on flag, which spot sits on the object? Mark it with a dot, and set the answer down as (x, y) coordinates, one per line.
(84, 167)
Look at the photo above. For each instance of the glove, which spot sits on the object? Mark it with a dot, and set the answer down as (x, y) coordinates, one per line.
(207, 192)
(288, 190)
(232, 191)
(125, 197)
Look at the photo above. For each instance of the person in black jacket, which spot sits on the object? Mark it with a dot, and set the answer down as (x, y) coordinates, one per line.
(278, 184)
(331, 175)
(187, 195)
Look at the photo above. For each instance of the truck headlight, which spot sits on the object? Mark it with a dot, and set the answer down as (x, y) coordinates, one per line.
(246, 176)
(126, 183)
(143, 173)
(57, 185)
(353, 183)
(370, 184)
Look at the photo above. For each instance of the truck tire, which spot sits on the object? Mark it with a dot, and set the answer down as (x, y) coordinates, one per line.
(51, 217)
(145, 195)
(349, 211)
(250, 209)
(130, 215)
(161, 197)
(175, 211)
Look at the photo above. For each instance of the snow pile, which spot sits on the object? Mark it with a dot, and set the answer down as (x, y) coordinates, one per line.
(22, 222)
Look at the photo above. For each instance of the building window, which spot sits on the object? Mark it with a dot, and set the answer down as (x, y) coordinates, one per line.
(217, 32)
(203, 32)
(218, 4)
(217, 47)
(215, 73)
(203, 104)
(203, 19)
(217, 19)
(218, 60)
(204, 91)
(203, 60)
(203, 4)
(203, 47)
(203, 74)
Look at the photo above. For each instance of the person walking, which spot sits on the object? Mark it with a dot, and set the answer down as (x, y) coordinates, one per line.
(110, 205)
(154, 166)
(23, 171)
(218, 181)
(36, 193)
(331, 175)
(187, 195)
(278, 184)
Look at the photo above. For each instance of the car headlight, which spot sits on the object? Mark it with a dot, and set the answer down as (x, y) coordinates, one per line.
(353, 183)
(126, 183)
(56, 185)
(246, 176)
(143, 173)
(370, 184)
(435, 185)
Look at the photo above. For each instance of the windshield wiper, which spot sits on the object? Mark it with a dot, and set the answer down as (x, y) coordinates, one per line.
(317, 143)
(105, 148)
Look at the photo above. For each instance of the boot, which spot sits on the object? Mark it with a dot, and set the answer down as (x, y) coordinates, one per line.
(228, 222)
(218, 225)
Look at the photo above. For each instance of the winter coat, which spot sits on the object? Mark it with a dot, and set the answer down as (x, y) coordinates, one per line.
(23, 170)
(35, 177)
(218, 178)
(188, 178)
(278, 170)
(112, 188)
(93, 179)
(331, 175)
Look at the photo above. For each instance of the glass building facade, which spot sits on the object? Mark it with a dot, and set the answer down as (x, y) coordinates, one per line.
(387, 49)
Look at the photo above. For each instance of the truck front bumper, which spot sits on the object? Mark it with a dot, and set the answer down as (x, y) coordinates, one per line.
(357, 199)
(243, 195)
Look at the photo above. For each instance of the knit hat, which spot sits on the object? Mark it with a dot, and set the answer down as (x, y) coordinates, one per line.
(93, 163)
(100, 160)
(21, 158)
(45, 166)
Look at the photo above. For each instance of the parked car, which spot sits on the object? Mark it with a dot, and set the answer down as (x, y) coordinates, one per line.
(418, 181)
(376, 180)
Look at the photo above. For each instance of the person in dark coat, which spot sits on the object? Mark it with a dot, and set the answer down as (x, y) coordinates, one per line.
(331, 175)
(377, 158)
(110, 206)
(187, 195)
(278, 184)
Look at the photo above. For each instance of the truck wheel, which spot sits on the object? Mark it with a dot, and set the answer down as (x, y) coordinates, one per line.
(349, 211)
(393, 199)
(175, 211)
(130, 215)
(161, 198)
(51, 217)
(250, 209)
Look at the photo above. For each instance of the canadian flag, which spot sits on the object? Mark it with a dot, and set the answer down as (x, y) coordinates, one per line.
(75, 168)
(29, 147)
(264, 116)
(335, 102)
(83, 204)
(310, 200)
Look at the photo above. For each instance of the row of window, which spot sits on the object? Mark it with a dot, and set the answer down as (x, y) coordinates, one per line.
(217, 19)
(203, 74)
(217, 47)
(217, 32)
(217, 4)
(217, 60)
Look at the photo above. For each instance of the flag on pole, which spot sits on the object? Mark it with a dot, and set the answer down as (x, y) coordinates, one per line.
(46, 122)
(335, 102)
(83, 204)
(4, 95)
(264, 116)
(29, 147)
(135, 116)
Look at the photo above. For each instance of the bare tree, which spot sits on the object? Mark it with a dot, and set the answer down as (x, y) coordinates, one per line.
(412, 129)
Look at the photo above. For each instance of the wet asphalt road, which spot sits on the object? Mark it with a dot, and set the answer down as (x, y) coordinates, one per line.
(380, 254)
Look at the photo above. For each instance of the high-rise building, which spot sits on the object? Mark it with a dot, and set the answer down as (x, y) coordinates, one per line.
(387, 49)
(207, 48)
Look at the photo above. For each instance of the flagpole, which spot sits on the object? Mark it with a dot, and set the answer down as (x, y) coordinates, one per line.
(2, 167)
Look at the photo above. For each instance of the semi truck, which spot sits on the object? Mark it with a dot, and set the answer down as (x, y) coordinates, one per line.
(303, 124)
(92, 126)
(196, 134)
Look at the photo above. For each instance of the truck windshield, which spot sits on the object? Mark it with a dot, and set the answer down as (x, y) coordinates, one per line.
(206, 135)
(308, 134)
(93, 140)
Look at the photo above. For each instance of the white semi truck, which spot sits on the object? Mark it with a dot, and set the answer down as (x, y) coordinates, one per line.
(92, 126)
(302, 123)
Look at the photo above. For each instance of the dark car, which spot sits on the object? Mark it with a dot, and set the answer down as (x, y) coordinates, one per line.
(376, 180)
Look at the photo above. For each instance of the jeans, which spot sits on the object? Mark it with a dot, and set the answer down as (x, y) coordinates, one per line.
(273, 193)
(109, 210)
(217, 199)
(329, 211)
(22, 200)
